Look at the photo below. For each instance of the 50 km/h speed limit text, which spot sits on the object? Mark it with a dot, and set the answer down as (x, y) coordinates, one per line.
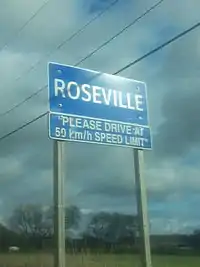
(95, 131)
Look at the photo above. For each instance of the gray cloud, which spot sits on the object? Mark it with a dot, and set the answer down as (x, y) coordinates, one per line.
(99, 177)
(42, 33)
(180, 129)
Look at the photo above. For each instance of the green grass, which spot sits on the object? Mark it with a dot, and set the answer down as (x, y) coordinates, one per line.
(46, 260)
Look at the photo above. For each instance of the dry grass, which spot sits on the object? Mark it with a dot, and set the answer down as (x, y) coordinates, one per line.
(46, 260)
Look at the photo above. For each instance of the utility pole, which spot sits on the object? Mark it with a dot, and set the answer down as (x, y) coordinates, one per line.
(59, 204)
(142, 209)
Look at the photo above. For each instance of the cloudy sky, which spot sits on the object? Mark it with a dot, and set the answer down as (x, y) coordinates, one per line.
(100, 177)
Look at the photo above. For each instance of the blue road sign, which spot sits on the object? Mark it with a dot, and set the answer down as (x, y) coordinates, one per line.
(93, 107)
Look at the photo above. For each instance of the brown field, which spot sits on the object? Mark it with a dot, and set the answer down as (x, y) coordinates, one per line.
(46, 260)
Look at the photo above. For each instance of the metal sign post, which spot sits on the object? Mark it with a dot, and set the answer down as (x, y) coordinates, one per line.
(142, 209)
(59, 205)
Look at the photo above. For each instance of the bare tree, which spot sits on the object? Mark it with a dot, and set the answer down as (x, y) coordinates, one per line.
(113, 228)
(32, 220)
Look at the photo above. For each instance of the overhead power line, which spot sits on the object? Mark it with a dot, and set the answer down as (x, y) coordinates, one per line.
(68, 39)
(76, 33)
(89, 55)
(26, 24)
(23, 126)
(120, 32)
(158, 48)
(119, 71)
(87, 24)
(23, 101)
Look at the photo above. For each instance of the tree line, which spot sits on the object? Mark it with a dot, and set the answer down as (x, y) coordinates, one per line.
(30, 227)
